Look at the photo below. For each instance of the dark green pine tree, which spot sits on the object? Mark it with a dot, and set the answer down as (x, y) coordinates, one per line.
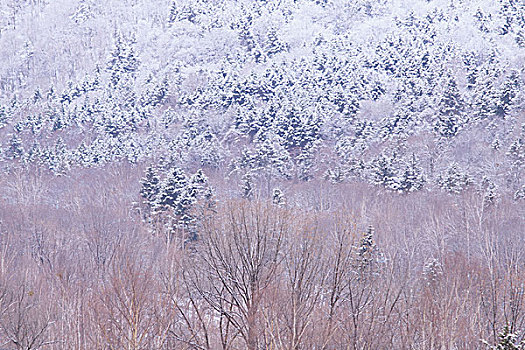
(182, 12)
(507, 340)
(196, 185)
(15, 149)
(508, 93)
(122, 60)
(150, 186)
(485, 94)
(247, 186)
(278, 197)
(171, 190)
(383, 172)
(248, 42)
(246, 37)
(273, 44)
(4, 116)
(412, 178)
(450, 111)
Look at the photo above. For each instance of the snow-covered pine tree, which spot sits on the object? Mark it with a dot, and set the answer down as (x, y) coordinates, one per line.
(247, 186)
(507, 340)
(81, 156)
(4, 116)
(249, 43)
(278, 197)
(508, 93)
(123, 60)
(59, 161)
(171, 191)
(432, 271)
(412, 178)
(155, 92)
(485, 96)
(367, 256)
(15, 148)
(273, 44)
(335, 175)
(520, 193)
(150, 186)
(34, 154)
(450, 116)
(483, 21)
(197, 184)
(454, 180)
(383, 172)
(182, 11)
(516, 155)
(490, 192)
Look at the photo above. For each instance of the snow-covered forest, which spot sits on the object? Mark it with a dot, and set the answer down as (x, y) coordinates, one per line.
(250, 174)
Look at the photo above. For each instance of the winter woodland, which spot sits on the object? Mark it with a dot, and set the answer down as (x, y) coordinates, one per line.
(262, 174)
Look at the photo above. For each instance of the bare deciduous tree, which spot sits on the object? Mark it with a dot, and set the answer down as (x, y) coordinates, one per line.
(241, 252)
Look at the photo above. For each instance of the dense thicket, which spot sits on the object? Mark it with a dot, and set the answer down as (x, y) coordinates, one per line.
(145, 146)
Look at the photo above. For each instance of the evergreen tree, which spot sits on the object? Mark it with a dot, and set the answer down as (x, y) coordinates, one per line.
(507, 340)
(4, 116)
(182, 12)
(432, 271)
(150, 186)
(450, 111)
(249, 43)
(485, 93)
(412, 178)
(246, 38)
(122, 60)
(278, 197)
(454, 180)
(155, 93)
(268, 158)
(508, 94)
(490, 192)
(197, 184)
(247, 186)
(516, 150)
(34, 154)
(82, 155)
(59, 158)
(520, 38)
(305, 162)
(15, 149)
(520, 194)
(335, 175)
(483, 21)
(171, 191)
(273, 44)
(383, 172)
(367, 256)
(516, 155)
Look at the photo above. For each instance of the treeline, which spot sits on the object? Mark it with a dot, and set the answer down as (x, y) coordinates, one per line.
(350, 267)
(383, 93)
